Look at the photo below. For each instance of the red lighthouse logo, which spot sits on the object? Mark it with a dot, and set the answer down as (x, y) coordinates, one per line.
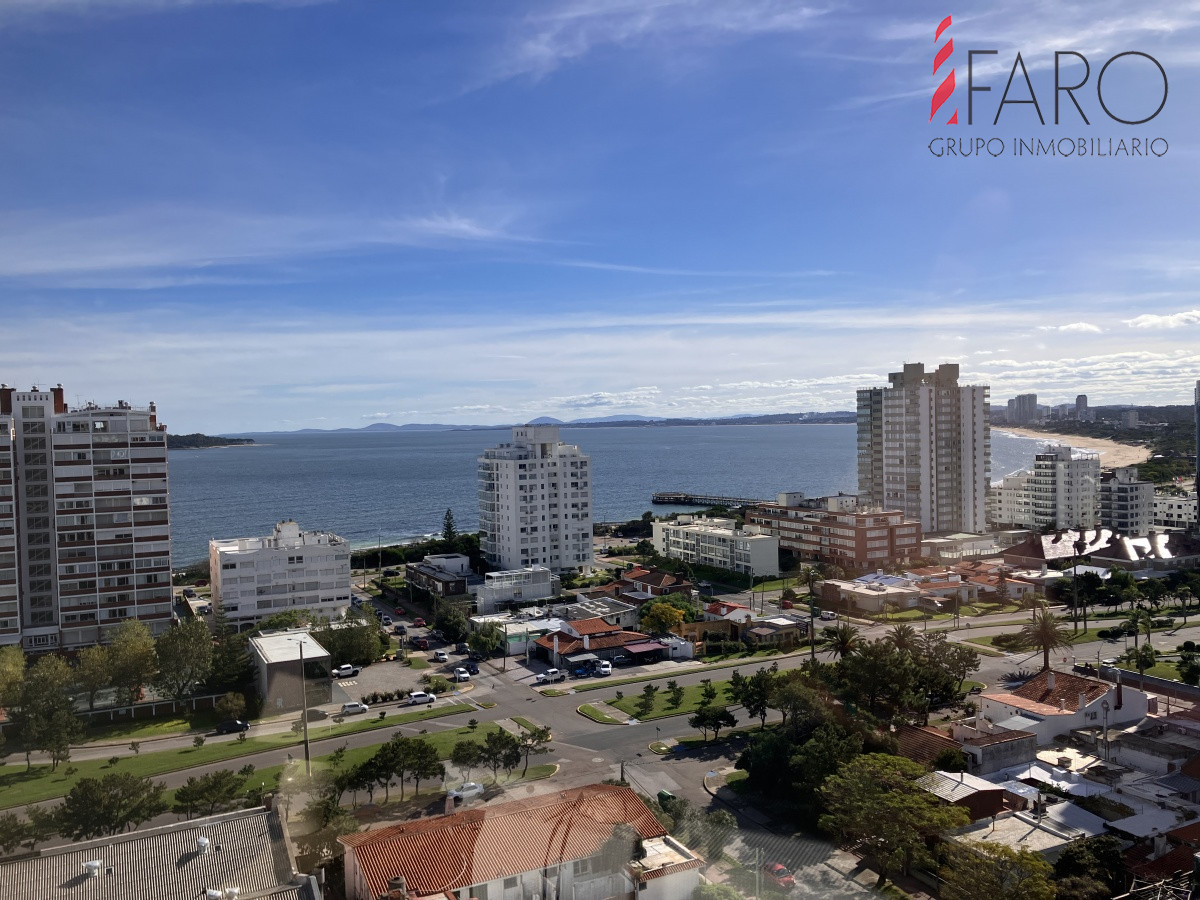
(946, 88)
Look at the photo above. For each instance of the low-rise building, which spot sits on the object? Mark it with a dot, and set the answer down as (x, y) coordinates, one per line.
(1055, 703)
(836, 530)
(253, 578)
(719, 543)
(868, 597)
(615, 612)
(555, 846)
(783, 630)
(981, 799)
(586, 640)
(1176, 512)
(245, 855)
(957, 546)
(277, 658)
(441, 574)
(516, 587)
(992, 752)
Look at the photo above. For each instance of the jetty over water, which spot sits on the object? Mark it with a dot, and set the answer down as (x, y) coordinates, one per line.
(682, 498)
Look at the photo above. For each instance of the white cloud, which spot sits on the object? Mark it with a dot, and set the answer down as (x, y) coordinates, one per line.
(1183, 319)
(1078, 327)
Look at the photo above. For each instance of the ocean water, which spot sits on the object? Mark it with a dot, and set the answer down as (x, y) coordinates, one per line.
(385, 487)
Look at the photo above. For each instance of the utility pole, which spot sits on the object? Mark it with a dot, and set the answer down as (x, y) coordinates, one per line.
(304, 711)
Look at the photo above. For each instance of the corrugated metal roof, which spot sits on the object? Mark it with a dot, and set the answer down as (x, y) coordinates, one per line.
(449, 852)
(246, 851)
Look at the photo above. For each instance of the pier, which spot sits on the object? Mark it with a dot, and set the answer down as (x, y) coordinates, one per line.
(681, 498)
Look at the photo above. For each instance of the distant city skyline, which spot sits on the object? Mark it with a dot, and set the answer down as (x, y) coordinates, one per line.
(294, 214)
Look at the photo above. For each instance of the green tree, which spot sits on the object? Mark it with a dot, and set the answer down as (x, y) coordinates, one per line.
(718, 829)
(1095, 858)
(844, 640)
(132, 660)
(356, 639)
(712, 718)
(1142, 658)
(1045, 632)
(12, 672)
(466, 755)
(533, 742)
(708, 691)
(12, 832)
(715, 892)
(829, 747)
(41, 824)
(486, 640)
(453, 624)
(904, 637)
(209, 793)
(231, 706)
(424, 763)
(874, 800)
(500, 751)
(675, 694)
(44, 717)
(646, 701)
(975, 870)
(101, 807)
(449, 531)
(661, 618)
(185, 658)
(92, 672)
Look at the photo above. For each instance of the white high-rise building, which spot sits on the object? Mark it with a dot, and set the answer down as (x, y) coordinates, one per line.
(535, 502)
(85, 537)
(253, 578)
(1126, 503)
(924, 448)
(1061, 490)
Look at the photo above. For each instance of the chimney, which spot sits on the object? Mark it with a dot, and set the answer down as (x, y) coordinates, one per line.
(1119, 696)
(6, 399)
(1082, 699)
(60, 404)
(587, 642)
(1160, 845)
(556, 645)
(1062, 704)
(1050, 680)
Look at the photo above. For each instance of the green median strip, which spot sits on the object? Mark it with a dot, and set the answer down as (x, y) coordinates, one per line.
(597, 715)
(19, 787)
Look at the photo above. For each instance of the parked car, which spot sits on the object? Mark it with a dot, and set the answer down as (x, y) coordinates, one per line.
(621, 660)
(399, 629)
(205, 610)
(786, 604)
(441, 656)
(390, 573)
(356, 601)
(418, 622)
(420, 697)
(316, 715)
(232, 726)
(828, 615)
(550, 675)
(386, 621)
(468, 791)
(461, 674)
(460, 647)
(478, 657)
(345, 671)
(605, 667)
(779, 874)
(419, 643)
(349, 709)
(472, 667)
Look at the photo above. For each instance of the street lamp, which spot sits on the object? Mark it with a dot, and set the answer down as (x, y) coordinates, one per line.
(1104, 706)
(304, 708)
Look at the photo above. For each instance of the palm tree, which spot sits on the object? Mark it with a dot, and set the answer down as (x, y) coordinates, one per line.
(1046, 632)
(1139, 619)
(903, 637)
(845, 640)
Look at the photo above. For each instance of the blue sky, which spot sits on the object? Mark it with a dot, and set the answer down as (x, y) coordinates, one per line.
(277, 215)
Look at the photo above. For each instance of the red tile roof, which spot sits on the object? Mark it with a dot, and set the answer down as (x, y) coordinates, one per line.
(1177, 859)
(923, 745)
(592, 626)
(724, 609)
(1067, 688)
(450, 852)
(568, 644)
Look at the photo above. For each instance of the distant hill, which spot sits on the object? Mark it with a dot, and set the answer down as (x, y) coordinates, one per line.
(839, 417)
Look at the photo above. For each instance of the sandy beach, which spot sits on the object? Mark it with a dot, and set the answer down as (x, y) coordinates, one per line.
(1111, 453)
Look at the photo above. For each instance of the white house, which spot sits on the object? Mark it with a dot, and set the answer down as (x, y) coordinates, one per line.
(1053, 703)
(551, 846)
(517, 587)
(718, 542)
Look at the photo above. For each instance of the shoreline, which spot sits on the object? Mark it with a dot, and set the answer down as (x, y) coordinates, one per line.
(1112, 453)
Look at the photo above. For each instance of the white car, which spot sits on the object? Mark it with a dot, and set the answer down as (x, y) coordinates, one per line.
(466, 792)
(550, 675)
(420, 697)
(441, 656)
(349, 709)
(461, 674)
(386, 621)
(605, 667)
(346, 671)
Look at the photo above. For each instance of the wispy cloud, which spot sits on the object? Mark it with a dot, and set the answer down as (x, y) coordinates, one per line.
(1184, 319)
(1076, 327)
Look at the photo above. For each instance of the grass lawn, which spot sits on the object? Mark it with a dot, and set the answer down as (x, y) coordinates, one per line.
(141, 729)
(525, 723)
(418, 662)
(18, 787)
(597, 716)
(692, 696)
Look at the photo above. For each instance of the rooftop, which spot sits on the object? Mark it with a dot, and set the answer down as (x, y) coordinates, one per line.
(246, 850)
(446, 853)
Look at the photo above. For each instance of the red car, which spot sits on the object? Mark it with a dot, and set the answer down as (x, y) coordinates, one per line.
(779, 875)
(418, 622)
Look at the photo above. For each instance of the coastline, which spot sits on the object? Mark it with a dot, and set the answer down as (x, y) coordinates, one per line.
(1112, 454)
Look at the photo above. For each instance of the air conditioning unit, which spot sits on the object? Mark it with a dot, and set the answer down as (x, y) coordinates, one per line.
(94, 868)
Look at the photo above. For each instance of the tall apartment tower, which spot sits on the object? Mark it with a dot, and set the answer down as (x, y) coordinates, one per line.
(924, 448)
(85, 537)
(1196, 486)
(1126, 503)
(1022, 409)
(535, 502)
